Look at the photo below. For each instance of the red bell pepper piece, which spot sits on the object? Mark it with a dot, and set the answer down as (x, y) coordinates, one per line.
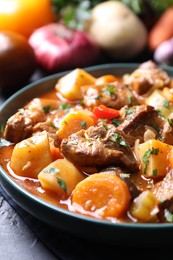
(104, 112)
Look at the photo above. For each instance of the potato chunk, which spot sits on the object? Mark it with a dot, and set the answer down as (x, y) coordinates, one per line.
(160, 103)
(145, 207)
(154, 157)
(70, 85)
(31, 155)
(61, 177)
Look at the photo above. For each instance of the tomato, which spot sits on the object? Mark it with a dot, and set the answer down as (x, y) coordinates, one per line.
(24, 16)
(17, 61)
(105, 112)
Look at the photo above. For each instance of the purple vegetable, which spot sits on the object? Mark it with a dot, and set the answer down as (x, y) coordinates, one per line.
(164, 53)
(58, 47)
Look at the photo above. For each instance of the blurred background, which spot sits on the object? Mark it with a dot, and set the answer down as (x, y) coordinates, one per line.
(43, 37)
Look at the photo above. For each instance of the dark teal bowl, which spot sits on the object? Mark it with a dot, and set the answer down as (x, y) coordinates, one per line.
(78, 225)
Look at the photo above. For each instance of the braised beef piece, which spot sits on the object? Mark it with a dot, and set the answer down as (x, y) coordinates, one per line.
(138, 119)
(48, 127)
(134, 191)
(163, 191)
(115, 95)
(20, 125)
(99, 146)
(146, 77)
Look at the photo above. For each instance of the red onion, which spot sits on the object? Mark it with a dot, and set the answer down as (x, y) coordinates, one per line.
(58, 47)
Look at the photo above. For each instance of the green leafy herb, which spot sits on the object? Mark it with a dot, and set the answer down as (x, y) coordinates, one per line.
(46, 109)
(2, 128)
(52, 124)
(117, 138)
(83, 124)
(64, 106)
(170, 122)
(109, 89)
(154, 172)
(62, 184)
(129, 110)
(146, 156)
(115, 122)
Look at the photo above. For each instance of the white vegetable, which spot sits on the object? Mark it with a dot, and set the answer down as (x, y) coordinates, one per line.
(117, 29)
(31, 155)
(70, 85)
(61, 176)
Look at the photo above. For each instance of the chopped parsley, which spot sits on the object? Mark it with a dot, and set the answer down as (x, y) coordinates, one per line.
(170, 122)
(154, 172)
(115, 122)
(146, 156)
(129, 99)
(64, 106)
(2, 128)
(62, 184)
(129, 110)
(83, 124)
(52, 124)
(46, 109)
(109, 90)
(117, 138)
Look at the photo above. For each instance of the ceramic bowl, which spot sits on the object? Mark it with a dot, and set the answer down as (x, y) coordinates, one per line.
(79, 225)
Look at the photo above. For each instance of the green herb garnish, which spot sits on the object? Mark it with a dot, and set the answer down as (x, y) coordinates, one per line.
(62, 184)
(46, 109)
(147, 155)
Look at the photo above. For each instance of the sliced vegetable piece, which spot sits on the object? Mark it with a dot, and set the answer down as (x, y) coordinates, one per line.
(75, 121)
(101, 194)
(70, 85)
(105, 112)
(31, 155)
(154, 157)
(145, 207)
(61, 177)
(105, 79)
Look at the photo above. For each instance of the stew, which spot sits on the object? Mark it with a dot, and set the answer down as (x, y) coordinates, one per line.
(101, 147)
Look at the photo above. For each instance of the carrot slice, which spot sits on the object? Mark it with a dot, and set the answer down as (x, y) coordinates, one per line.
(102, 194)
(105, 79)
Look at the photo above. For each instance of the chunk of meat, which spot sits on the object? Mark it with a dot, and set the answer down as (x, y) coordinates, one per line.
(20, 125)
(115, 95)
(99, 146)
(146, 77)
(163, 190)
(138, 119)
